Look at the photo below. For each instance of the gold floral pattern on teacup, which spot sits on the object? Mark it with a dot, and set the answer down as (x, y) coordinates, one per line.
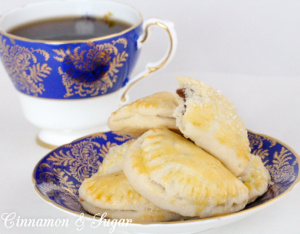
(91, 69)
(23, 67)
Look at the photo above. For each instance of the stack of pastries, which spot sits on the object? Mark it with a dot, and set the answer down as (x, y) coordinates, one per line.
(189, 156)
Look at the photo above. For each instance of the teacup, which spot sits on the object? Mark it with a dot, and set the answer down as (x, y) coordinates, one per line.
(69, 88)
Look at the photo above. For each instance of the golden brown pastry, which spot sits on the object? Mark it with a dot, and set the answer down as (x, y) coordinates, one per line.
(114, 159)
(113, 194)
(149, 112)
(176, 175)
(210, 120)
(257, 178)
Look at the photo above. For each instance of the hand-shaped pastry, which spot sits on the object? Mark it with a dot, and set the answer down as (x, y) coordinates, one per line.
(256, 178)
(113, 194)
(176, 175)
(153, 111)
(114, 159)
(210, 120)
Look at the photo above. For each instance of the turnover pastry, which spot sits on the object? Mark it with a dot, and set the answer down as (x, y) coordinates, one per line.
(176, 175)
(113, 194)
(114, 159)
(256, 178)
(210, 120)
(153, 111)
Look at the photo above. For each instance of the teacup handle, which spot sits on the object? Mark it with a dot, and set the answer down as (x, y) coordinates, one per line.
(169, 28)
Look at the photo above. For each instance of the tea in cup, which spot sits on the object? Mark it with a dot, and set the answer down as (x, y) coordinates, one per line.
(71, 62)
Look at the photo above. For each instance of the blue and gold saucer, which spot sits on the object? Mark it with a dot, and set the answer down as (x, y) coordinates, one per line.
(58, 176)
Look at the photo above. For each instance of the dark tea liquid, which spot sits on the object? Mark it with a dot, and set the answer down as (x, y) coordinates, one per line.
(62, 29)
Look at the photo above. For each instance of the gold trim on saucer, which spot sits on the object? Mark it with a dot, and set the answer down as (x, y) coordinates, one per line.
(192, 220)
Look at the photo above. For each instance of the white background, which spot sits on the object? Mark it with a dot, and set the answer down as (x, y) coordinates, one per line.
(250, 50)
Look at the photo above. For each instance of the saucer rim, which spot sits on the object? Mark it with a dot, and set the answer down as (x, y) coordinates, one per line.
(178, 222)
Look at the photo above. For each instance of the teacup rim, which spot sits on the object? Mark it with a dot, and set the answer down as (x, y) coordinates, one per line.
(3, 32)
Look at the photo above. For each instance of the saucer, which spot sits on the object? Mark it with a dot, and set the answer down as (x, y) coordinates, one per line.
(58, 176)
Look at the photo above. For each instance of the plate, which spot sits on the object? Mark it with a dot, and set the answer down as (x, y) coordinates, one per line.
(58, 176)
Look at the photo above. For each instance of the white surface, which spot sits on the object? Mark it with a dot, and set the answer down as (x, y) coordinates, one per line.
(257, 41)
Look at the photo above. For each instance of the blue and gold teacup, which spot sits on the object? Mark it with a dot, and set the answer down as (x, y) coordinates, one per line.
(68, 88)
